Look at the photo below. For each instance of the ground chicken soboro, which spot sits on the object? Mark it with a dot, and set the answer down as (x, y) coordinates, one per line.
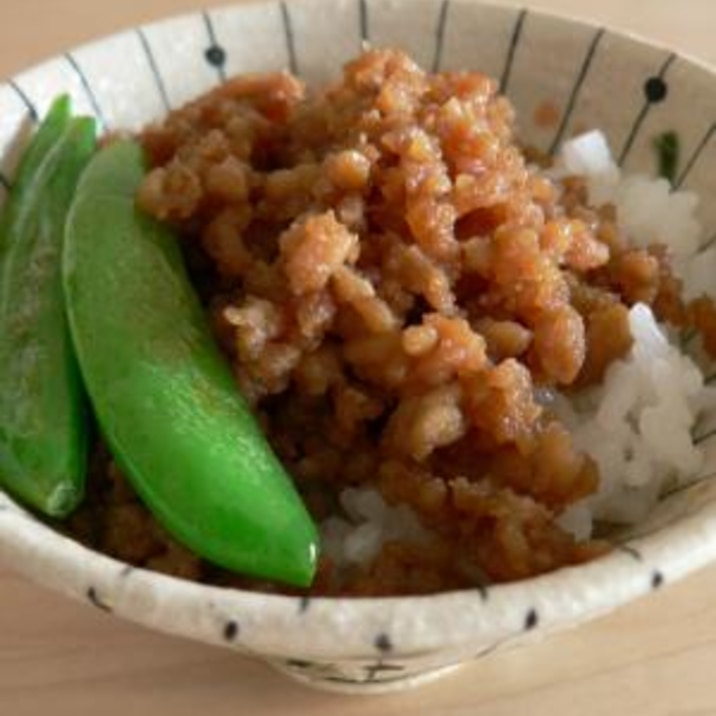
(397, 293)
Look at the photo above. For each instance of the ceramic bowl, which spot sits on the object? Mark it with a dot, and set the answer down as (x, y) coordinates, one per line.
(563, 77)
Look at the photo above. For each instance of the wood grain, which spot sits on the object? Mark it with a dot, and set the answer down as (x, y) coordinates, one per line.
(655, 657)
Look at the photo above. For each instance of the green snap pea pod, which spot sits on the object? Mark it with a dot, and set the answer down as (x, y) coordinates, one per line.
(50, 130)
(164, 397)
(43, 431)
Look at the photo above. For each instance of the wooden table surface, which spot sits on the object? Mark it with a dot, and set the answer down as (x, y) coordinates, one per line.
(58, 658)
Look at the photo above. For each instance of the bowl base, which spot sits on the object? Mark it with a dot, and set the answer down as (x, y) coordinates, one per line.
(317, 679)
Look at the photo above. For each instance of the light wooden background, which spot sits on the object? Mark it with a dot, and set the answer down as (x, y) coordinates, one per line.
(59, 658)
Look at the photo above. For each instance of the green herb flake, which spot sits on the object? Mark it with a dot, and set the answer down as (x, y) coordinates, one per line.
(667, 150)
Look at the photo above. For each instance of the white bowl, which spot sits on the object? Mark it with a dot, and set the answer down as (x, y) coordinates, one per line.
(563, 77)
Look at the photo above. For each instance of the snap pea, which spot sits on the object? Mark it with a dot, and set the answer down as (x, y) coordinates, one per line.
(50, 130)
(42, 414)
(163, 395)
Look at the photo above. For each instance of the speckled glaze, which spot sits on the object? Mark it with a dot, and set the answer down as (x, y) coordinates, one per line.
(563, 77)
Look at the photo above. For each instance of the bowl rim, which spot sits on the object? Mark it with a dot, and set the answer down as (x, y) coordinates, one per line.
(413, 625)
(397, 626)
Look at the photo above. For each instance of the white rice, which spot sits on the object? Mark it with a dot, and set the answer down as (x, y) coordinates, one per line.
(638, 424)
(648, 211)
(367, 523)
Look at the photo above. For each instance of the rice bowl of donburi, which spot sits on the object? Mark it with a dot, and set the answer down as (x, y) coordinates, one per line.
(386, 368)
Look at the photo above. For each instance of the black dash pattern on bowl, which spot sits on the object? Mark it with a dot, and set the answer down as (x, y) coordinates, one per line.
(231, 630)
(154, 68)
(89, 91)
(303, 604)
(383, 643)
(440, 35)
(289, 38)
(381, 671)
(509, 59)
(574, 94)
(215, 55)
(634, 553)
(695, 156)
(531, 619)
(95, 600)
(29, 105)
(657, 579)
(299, 663)
(487, 650)
(655, 89)
(363, 20)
